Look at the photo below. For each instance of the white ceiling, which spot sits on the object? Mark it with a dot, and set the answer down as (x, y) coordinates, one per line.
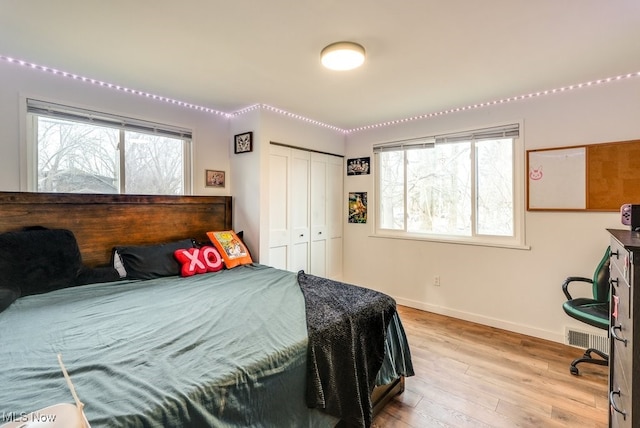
(423, 56)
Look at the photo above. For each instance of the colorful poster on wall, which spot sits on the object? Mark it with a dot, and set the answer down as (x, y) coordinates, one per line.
(357, 207)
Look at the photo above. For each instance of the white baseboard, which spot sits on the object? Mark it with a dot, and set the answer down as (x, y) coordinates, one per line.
(480, 319)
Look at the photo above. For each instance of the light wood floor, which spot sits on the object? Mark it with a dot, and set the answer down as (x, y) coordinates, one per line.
(469, 375)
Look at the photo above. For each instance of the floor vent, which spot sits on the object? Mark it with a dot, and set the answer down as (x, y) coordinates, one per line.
(582, 339)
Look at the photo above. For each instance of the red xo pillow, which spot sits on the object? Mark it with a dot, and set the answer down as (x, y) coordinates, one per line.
(198, 260)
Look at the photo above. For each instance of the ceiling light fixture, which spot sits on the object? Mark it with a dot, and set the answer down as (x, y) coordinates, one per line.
(342, 56)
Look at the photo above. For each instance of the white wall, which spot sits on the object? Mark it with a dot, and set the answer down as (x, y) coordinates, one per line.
(247, 184)
(210, 132)
(516, 289)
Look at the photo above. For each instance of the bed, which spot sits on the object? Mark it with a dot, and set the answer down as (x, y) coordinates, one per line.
(228, 348)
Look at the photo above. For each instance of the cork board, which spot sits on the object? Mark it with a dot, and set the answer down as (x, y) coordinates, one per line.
(614, 175)
(595, 177)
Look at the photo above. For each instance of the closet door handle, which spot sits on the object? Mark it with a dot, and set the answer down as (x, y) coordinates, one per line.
(615, 253)
(613, 404)
(613, 329)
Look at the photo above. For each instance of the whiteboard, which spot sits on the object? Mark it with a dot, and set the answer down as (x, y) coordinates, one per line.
(557, 179)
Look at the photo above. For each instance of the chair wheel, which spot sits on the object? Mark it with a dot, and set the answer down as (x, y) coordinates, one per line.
(573, 370)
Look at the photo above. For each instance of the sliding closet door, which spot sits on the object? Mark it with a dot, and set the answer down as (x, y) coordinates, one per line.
(319, 229)
(335, 215)
(289, 234)
(279, 228)
(305, 211)
(299, 201)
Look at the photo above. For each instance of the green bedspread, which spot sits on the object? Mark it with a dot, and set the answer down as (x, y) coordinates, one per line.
(219, 349)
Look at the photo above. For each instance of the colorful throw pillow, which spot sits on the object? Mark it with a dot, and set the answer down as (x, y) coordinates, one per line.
(231, 248)
(198, 260)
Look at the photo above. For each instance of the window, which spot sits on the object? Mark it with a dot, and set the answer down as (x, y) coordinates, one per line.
(81, 151)
(457, 187)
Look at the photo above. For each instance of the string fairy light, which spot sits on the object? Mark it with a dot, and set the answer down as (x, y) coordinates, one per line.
(112, 86)
(309, 120)
(497, 102)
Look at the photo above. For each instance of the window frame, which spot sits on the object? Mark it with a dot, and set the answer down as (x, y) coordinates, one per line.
(29, 148)
(517, 240)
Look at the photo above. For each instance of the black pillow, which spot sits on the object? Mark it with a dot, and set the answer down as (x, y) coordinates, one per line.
(39, 260)
(99, 274)
(150, 261)
(7, 297)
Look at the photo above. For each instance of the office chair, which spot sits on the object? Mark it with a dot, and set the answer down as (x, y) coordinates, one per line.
(594, 311)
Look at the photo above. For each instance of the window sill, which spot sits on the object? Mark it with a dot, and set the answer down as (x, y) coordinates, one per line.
(453, 240)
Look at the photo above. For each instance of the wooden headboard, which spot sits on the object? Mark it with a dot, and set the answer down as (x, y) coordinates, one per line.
(101, 222)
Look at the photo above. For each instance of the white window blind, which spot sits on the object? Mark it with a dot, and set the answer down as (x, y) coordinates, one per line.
(505, 131)
(416, 143)
(60, 111)
(493, 133)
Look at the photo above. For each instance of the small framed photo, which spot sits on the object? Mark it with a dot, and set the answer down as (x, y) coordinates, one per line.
(243, 143)
(213, 178)
(358, 166)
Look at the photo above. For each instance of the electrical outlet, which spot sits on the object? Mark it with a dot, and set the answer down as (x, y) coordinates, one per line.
(436, 280)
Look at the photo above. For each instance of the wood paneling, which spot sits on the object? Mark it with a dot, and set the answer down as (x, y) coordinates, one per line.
(101, 222)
